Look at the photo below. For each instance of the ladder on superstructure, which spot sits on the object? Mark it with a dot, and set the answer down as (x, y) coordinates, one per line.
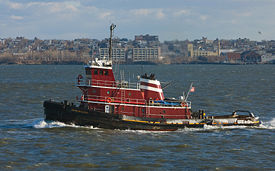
(122, 95)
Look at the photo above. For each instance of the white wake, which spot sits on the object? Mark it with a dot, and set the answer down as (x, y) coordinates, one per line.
(268, 124)
(41, 123)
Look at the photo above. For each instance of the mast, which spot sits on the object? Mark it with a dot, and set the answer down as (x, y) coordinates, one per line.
(112, 27)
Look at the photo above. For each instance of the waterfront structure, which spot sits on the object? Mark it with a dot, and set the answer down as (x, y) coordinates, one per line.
(146, 54)
(202, 52)
(233, 57)
(118, 54)
(17, 49)
(146, 37)
(190, 50)
(205, 53)
(268, 58)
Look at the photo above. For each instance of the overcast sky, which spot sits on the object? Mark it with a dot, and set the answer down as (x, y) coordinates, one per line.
(169, 19)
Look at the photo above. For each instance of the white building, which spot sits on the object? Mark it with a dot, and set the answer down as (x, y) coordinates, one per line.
(268, 57)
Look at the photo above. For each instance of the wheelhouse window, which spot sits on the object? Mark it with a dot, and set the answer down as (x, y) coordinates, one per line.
(95, 72)
(88, 72)
(106, 72)
(101, 72)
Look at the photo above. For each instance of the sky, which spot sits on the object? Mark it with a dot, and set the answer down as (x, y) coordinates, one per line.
(169, 19)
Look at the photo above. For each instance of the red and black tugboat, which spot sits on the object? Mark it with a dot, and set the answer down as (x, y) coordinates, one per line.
(113, 104)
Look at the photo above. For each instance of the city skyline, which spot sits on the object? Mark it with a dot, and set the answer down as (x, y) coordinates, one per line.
(170, 20)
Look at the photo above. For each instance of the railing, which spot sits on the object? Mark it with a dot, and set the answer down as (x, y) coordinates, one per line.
(121, 100)
(183, 104)
(114, 99)
(117, 84)
(188, 103)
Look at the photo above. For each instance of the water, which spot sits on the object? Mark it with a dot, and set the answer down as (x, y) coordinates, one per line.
(28, 142)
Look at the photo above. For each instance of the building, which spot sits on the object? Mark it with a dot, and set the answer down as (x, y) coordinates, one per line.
(118, 54)
(206, 53)
(146, 54)
(251, 57)
(147, 38)
(190, 50)
(233, 57)
(268, 58)
(202, 52)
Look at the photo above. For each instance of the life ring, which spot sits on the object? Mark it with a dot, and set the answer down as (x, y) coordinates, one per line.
(109, 100)
(79, 76)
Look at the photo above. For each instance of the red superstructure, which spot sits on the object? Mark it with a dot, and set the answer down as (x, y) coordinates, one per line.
(145, 99)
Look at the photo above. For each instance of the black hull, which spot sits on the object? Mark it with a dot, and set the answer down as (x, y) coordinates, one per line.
(70, 114)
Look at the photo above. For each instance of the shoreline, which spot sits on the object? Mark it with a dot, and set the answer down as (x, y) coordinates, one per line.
(191, 63)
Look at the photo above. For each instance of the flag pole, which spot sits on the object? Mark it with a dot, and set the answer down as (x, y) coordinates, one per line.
(191, 85)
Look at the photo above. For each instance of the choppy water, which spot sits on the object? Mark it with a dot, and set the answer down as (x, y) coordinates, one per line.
(28, 142)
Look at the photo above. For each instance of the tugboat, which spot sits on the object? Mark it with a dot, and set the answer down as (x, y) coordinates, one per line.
(117, 104)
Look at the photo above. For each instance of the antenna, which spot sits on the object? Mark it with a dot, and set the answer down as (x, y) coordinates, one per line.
(112, 27)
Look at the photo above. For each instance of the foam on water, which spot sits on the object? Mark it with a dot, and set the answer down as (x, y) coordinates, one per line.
(269, 124)
(41, 123)
(205, 128)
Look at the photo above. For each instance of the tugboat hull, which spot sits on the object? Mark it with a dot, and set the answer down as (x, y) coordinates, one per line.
(70, 114)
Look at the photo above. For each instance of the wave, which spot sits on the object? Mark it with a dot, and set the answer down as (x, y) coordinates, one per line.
(268, 125)
(41, 123)
(205, 128)
(264, 125)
